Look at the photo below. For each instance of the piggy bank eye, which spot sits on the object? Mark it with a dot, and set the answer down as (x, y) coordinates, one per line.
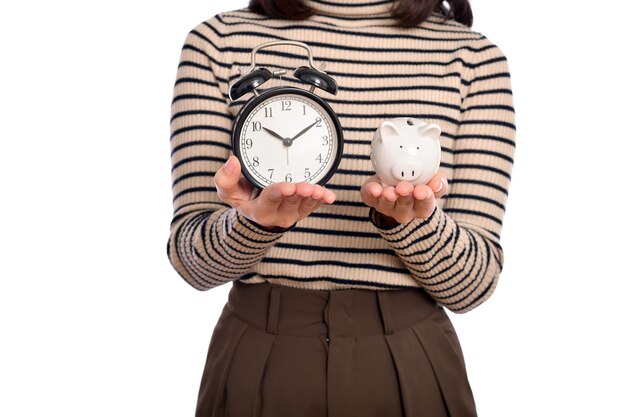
(400, 145)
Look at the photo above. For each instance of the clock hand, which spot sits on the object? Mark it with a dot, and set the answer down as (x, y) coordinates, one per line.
(304, 130)
(276, 135)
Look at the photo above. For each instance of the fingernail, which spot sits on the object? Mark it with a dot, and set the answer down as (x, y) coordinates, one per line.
(440, 186)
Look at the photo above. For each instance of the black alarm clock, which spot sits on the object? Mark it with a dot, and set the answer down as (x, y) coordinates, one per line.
(286, 133)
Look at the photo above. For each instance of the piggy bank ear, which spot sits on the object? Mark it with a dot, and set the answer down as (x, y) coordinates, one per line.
(388, 129)
(431, 131)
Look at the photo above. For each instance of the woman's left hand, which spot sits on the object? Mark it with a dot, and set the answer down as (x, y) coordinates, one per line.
(404, 202)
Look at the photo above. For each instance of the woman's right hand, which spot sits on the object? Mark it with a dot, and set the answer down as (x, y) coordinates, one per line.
(280, 204)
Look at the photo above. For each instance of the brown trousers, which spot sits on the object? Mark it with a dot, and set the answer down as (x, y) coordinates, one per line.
(278, 351)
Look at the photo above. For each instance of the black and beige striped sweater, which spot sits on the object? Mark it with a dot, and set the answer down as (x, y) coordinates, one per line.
(439, 71)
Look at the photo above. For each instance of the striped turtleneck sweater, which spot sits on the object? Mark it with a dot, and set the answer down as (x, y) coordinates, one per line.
(440, 71)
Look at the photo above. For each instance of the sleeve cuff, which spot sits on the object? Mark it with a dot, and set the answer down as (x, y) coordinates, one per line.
(414, 230)
(259, 229)
(376, 219)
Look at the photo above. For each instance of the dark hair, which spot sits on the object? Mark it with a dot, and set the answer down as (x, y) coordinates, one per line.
(408, 13)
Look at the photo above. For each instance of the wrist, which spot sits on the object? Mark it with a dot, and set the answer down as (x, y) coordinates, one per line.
(383, 220)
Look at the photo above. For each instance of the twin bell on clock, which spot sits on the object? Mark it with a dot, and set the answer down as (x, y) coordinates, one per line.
(286, 133)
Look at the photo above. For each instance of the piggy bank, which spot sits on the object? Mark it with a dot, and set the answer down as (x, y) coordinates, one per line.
(405, 148)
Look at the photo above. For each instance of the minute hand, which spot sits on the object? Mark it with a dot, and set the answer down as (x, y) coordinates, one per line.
(304, 130)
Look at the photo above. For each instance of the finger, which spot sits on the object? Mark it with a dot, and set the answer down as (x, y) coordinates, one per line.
(290, 205)
(375, 189)
(227, 183)
(318, 192)
(329, 196)
(446, 187)
(371, 191)
(404, 203)
(421, 193)
(323, 195)
(307, 205)
(368, 198)
(306, 210)
(404, 188)
(387, 200)
(424, 201)
(289, 211)
(304, 190)
(438, 184)
(273, 195)
(370, 194)
(373, 186)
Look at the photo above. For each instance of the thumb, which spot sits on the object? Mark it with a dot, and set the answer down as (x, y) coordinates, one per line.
(227, 178)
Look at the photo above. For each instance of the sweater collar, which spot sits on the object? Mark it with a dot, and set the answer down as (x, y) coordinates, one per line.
(351, 7)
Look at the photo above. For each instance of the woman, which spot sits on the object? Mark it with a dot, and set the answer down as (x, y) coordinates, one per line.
(336, 305)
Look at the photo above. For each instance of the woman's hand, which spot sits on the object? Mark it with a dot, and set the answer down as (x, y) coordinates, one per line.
(279, 205)
(404, 202)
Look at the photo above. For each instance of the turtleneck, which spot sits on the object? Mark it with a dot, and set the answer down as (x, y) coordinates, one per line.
(351, 7)
(355, 8)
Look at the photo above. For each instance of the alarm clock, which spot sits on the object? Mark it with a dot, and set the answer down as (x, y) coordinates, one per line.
(286, 133)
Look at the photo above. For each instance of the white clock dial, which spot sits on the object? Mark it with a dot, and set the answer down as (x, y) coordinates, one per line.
(288, 137)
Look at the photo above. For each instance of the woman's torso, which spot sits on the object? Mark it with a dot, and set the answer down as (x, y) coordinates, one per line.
(383, 71)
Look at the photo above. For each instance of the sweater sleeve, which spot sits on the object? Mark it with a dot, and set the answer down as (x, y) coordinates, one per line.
(455, 254)
(210, 243)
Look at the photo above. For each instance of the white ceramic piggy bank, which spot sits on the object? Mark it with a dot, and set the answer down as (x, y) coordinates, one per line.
(405, 148)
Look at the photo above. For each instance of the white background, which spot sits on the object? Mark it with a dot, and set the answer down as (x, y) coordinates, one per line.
(94, 320)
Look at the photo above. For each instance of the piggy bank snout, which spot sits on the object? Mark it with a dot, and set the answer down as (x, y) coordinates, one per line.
(406, 170)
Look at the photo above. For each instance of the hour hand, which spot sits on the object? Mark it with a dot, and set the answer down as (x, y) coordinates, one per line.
(276, 135)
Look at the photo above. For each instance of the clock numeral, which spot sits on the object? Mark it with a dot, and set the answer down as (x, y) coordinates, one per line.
(319, 158)
(286, 105)
(288, 177)
(319, 122)
(256, 126)
(271, 171)
(303, 110)
(255, 161)
(325, 140)
(268, 112)
(248, 143)
(307, 173)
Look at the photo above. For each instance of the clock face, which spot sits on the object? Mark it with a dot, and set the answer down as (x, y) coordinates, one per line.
(287, 137)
